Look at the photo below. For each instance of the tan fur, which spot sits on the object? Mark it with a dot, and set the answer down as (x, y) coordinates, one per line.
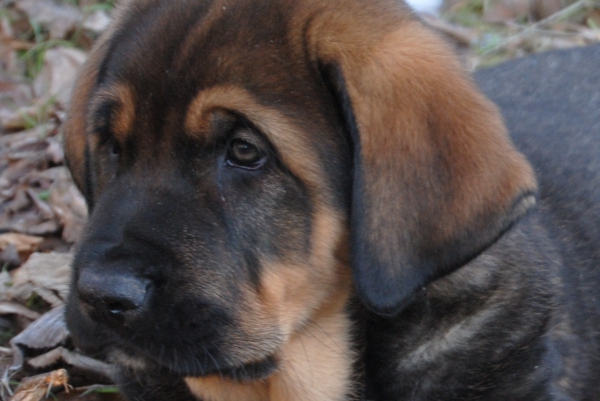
(464, 132)
(435, 153)
(287, 137)
(315, 365)
(123, 116)
(75, 127)
(477, 153)
(307, 302)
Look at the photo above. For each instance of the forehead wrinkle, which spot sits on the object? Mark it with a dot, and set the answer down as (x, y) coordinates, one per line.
(288, 138)
(198, 33)
(122, 114)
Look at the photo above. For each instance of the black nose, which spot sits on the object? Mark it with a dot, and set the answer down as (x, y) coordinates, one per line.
(113, 297)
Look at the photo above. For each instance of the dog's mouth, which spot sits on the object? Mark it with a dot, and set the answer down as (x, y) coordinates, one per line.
(190, 366)
(250, 371)
(177, 349)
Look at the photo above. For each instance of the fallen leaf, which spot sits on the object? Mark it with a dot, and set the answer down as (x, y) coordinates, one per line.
(13, 94)
(25, 139)
(10, 258)
(97, 21)
(11, 308)
(5, 283)
(55, 151)
(44, 274)
(57, 77)
(38, 387)
(59, 19)
(29, 222)
(21, 118)
(15, 247)
(43, 207)
(23, 242)
(46, 333)
(8, 55)
(68, 205)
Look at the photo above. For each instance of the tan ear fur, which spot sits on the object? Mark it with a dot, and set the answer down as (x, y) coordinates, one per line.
(436, 177)
(75, 126)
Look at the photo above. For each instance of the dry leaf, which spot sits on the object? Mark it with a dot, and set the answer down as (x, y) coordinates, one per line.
(8, 55)
(30, 222)
(97, 21)
(19, 201)
(55, 151)
(38, 387)
(13, 94)
(44, 274)
(36, 200)
(46, 333)
(57, 77)
(59, 19)
(5, 283)
(10, 257)
(25, 139)
(68, 205)
(15, 247)
(11, 308)
(41, 345)
(13, 120)
(23, 243)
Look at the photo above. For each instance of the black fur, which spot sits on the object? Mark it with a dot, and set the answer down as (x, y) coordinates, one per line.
(541, 278)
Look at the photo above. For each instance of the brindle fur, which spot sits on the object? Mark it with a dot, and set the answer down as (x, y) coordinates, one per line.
(387, 246)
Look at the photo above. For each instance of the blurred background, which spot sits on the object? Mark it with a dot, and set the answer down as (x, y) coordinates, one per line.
(43, 43)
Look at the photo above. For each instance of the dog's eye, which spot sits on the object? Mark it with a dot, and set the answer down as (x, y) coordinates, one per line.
(242, 153)
(115, 150)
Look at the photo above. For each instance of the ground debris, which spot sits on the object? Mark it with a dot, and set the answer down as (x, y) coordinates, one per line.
(46, 275)
(38, 387)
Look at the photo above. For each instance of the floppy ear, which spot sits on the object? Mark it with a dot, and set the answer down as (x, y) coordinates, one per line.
(75, 129)
(436, 177)
(75, 126)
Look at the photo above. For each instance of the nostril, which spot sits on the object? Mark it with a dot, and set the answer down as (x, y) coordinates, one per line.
(117, 308)
(112, 295)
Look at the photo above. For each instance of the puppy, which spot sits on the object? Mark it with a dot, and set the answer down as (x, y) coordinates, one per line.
(311, 201)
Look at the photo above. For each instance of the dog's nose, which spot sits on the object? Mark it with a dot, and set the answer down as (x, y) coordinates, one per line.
(113, 298)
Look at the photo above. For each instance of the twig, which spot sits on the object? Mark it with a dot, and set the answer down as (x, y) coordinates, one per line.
(464, 36)
(528, 30)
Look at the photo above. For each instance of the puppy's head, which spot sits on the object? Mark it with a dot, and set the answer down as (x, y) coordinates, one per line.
(240, 158)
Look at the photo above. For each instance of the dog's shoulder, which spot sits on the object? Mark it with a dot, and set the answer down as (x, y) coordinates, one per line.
(551, 99)
(551, 105)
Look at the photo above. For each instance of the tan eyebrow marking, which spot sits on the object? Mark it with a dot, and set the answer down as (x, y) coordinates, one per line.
(123, 114)
(287, 137)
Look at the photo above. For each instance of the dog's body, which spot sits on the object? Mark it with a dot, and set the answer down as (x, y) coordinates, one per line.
(541, 293)
(310, 201)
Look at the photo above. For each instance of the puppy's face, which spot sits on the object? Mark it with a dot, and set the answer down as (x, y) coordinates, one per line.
(241, 158)
(214, 179)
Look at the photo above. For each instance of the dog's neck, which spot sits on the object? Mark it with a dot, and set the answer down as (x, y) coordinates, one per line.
(315, 364)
